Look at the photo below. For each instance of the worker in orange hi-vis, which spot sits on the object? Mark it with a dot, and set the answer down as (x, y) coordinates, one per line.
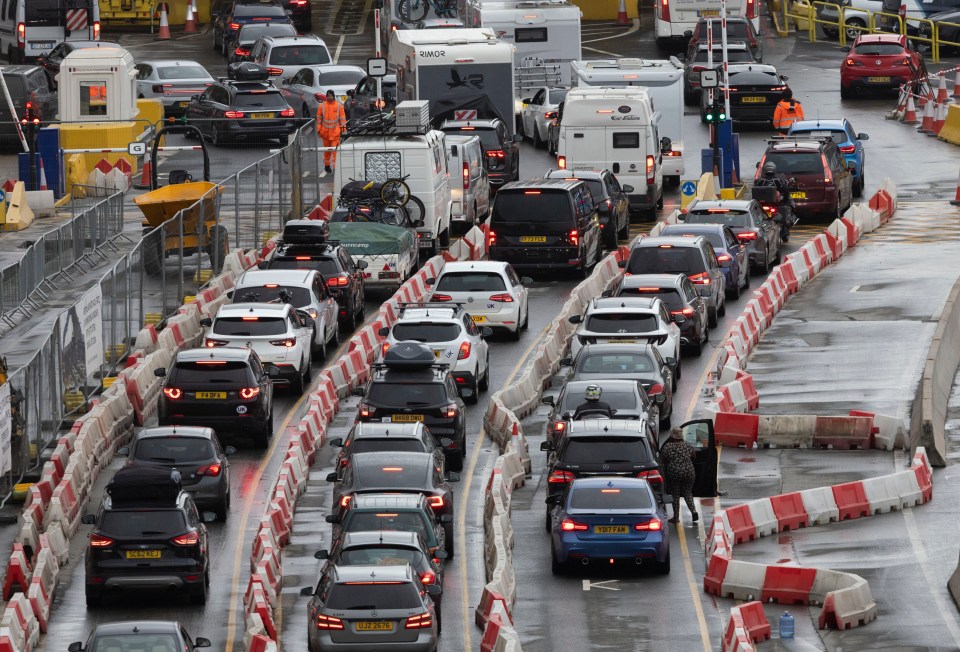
(788, 111)
(331, 121)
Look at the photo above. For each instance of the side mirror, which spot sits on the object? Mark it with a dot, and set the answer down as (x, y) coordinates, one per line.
(758, 165)
(446, 518)
(362, 264)
(622, 264)
(863, 137)
(123, 450)
(445, 442)
(666, 144)
(671, 362)
(88, 519)
(195, 98)
(160, 372)
(486, 332)
(453, 476)
(229, 450)
(206, 321)
(306, 592)
(305, 316)
(784, 78)
(263, 265)
(417, 224)
(678, 319)
(433, 590)
(606, 293)
(286, 82)
(209, 517)
(575, 319)
(273, 372)
(332, 477)
(688, 34)
(332, 518)
(845, 48)
(526, 280)
(337, 442)
(548, 400)
(430, 281)
(383, 332)
(76, 646)
(321, 554)
(566, 362)
(201, 642)
(359, 391)
(440, 554)
(627, 188)
(527, 100)
(546, 446)
(553, 500)
(660, 399)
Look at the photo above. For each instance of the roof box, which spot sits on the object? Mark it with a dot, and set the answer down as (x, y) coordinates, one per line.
(306, 231)
(247, 71)
(409, 355)
(144, 483)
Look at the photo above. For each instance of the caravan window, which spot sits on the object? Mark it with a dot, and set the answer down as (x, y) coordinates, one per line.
(626, 140)
(530, 35)
(380, 166)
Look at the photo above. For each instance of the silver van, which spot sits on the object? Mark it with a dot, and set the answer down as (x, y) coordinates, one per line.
(469, 183)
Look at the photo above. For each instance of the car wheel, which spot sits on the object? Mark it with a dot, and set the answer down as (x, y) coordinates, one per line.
(858, 187)
(335, 340)
(199, 596)
(555, 566)
(712, 320)
(764, 266)
(845, 93)
(455, 459)
(526, 318)
(299, 383)
(515, 333)
(666, 421)
(624, 233)
(678, 372)
(663, 567)
(474, 387)
(697, 349)
(722, 310)
(484, 384)
(735, 292)
(216, 138)
(223, 509)
(448, 544)
(831, 33)
(610, 238)
(855, 27)
(93, 598)
(537, 140)
(262, 438)
(350, 321)
(746, 278)
(445, 238)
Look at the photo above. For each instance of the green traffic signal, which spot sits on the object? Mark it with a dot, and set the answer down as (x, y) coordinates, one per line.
(710, 115)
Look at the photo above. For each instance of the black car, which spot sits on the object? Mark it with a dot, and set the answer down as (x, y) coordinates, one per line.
(410, 386)
(196, 453)
(300, 13)
(394, 512)
(241, 42)
(501, 151)
(147, 535)
(139, 635)
(755, 91)
(399, 437)
(627, 397)
(612, 447)
(696, 62)
(610, 198)
(363, 98)
(51, 61)
(687, 307)
(240, 12)
(738, 29)
(760, 235)
(225, 389)
(26, 84)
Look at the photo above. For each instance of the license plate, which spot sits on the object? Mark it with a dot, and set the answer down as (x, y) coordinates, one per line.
(212, 395)
(478, 319)
(878, 80)
(143, 554)
(437, 353)
(798, 195)
(621, 341)
(406, 418)
(182, 104)
(709, 12)
(753, 100)
(533, 238)
(609, 529)
(42, 45)
(261, 116)
(374, 626)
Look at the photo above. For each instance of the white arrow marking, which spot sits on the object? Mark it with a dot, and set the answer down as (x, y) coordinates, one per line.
(587, 585)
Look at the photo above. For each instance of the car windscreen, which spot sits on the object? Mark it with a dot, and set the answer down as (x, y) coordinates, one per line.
(616, 398)
(395, 476)
(138, 641)
(604, 450)
(299, 296)
(386, 520)
(621, 322)
(615, 499)
(616, 363)
(250, 33)
(254, 100)
(426, 332)
(173, 450)
(380, 556)
(134, 524)
(373, 596)
(731, 217)
(326, 266)
(371, 445)
(532, 206)
(488, 137)
(259, 11)
(340, 78)
(249, 326)
(471, 282)
(213, 372)
(790, 163)
(670, 296)
(666, 259)
(878, 49)
(299, 55)
(407, 394)
(182, 72)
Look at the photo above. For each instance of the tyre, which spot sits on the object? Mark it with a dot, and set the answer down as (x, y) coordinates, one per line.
(262, 438)
(764, 267)
(610, 237)
(526, 319)
(217, 247)
(515, 334)
(415, 208)
(199, 596)
(216, 138)
(735, 292)
(831, 33)
(449, 543)
(349, 321)
(678, 374)
(445, 238)
(547, 524)
(858, 186)
(659, 203)
(335, 340)
(153, 255)
(712, 320)
(663, 567)
(413, 10)
(537, 140)
(697, 349)
(455, 460)
(475, 388)
(555, 566)
(223, 509)
(484, 383)
(666, 421)
(845, 93)
(93, 598)
(746, 280)
(855, 27)
(624, 233)
(722, 310)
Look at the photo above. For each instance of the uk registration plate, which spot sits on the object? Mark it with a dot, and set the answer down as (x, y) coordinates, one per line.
(375, 626)
(406, 418)
(609, 529)
(533, 238)
(878, 80)
(143, 554)
(212, 395)
(478, 319)
(798, 194)
(753, 99)
(261, 116)
(710, 12)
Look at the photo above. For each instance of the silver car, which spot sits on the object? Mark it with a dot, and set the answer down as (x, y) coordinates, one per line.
(308, 87)
(172, 82)
(371, 607)
(539, 111)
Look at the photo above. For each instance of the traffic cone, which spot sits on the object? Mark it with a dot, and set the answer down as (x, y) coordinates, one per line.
(921, 101)
(146, 173)
(910, 114)
(956, 199)
(164, 33)
(942, 96)
(622, 19)
(190, 26)
(939, 117)
(926, 125)
(43, 176)
(956, 85)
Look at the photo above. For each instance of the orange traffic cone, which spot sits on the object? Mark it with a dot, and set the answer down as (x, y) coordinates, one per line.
(164, 33)
(190, 26)
(926, 125)
(921, 101)
(910, 114)
(942, 89)
(146, 173)
(956, 199)
(956, 85)
(622, 14)
(43, 176)
(939, 117)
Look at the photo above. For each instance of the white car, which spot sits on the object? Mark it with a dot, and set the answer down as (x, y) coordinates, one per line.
(308, 87)
(278, 332)
(172, 82)
(538, 112)
(307, 291)
(621, 320)
(490, 291)
(452, 336)
(285, 56)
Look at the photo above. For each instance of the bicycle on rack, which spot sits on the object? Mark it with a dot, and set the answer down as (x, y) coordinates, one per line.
(392, 191)
(413, 11)
(396, 190)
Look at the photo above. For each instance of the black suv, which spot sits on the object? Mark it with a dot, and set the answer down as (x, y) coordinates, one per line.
(224, 388)
(240, 12)
(25, 83)
(501, 151)
(148, 534)
(410, 386)
(611, 200)
(300, 13)
(545, 223)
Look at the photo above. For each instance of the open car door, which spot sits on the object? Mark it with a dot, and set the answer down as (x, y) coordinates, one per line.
(699, 434)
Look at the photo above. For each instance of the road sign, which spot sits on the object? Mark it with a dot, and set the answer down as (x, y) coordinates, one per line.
(136, 148)
(468, 114)
(377, 67)
(688, 190)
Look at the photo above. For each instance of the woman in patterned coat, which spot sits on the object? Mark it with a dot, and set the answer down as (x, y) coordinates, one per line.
(676, 459)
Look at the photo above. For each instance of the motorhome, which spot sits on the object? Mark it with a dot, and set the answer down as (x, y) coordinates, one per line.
(29, 28)
(674, 18)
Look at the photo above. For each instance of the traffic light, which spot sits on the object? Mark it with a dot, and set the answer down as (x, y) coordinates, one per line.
(715, 112)
(31, 115)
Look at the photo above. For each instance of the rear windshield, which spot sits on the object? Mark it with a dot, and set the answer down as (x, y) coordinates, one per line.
(396, 476)
(340, 77)
(426, 332)
(616, 363)
(299, 55)
(878, 49)
(613, 499)
(250, 33)
(373, 597)
(617, 399)
(370, 445)
(712, 236)
(174, 450)
(790, 163)
(666, 260)
(557, 95)
(754, 78)
(194, 373)
(266, 100)
(42, 12)
(732, 218)
(735, 30)
(605, 450)
(621, 323)
(470, 282)
(733, 56)
(247, 11)
(325, 266)
(250, 326)
(837, 136)
(488, 137)
(138, 641)
(299, 296)
(546, 206)
(670, 296)
(182, 72)
(380, 556)
(386, 520)
(133, 524)
(407, 394)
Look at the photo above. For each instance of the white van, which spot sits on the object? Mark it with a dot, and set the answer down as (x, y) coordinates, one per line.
(470, 189)
(675, 17)
(615, 128)
(663, 79)
(420, 159)
(29, 28)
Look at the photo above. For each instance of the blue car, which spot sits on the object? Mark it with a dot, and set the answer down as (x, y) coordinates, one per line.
(608, 520)
(732, 254)
(847, 139)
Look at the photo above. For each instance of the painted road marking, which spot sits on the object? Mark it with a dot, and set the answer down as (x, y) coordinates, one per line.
(336, 56)
(634, 26)
(612, 54)
(587, 585)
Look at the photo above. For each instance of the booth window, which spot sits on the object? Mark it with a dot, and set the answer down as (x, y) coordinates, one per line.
(93, 98)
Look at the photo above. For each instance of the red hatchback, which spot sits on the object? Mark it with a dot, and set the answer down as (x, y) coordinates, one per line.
(882, 61)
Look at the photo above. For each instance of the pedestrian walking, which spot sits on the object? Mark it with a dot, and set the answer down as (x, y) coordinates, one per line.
(676, 456)
(331, 120)
(787, 112)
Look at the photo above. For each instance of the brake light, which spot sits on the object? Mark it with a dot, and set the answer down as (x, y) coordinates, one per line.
(328, 622)
(365, 410)
(302, 258)
(188, 539)
(751, 8)
(848, 149)
(21, 34)
(242, 52)
(211, 343)
(428, 577)
(559, 426)
(289, 342)
(464, 351)
(653, 525)
(96, 31)
(562, 162)
(450, 411)
(722, 258)
(828, 175)
(384, 348)
(569, 525)
(496, 153)
(747, 236)
(436, 502)
(275, 72)
(466, 176)
(420, 621)
(234, 26)
(338, 281)
(574, 237)
(852, 62)
(561, 477)
(172, 392)
(345, 500)
(100, 541)
(700, 279)
(287, 113)
(656, 388)
(651, 169)
(249, 392)
(905, 62)
(233, 114)
(502, 298)
(210, 470)
(653, 477)
(491, 239)
(441, 297)
(686, 312)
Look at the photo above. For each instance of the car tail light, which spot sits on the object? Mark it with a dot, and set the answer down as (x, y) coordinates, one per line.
(287, 113)
(299, 3)
(550, 115)
(428, 577)
(210, 470)
(242, 52)
(905, 62)
(747, 236)
(450, 411)
(850, 61)
(665, 10)
(686, 312)
(848, 149)
(384, 348)
(345, 500)
(436, 502)
(827, 174)
(653, 477)
(289, 342)
(340, 281)
(172, 392)
(233, 114)
(21, 34)
(100, 541)
(464, 351)
(249, 392)
(561, 477)
(502, 298)
(651, 169)
(496, 153)
(188, 539)
(653, 525)
(491, 239)
(466, 176)
(328, 622)
(275, 72)
(365, 410)
(559, 426)
(655, 389)
(562, 162)
(234, 26)
(573, 237)
(722, 258)
(158, 88)
(700, 279)
(96, 30)
(211, 343)
(570, 525)
(320, 97)
(751, 8)
(420, 621)
(441, 297)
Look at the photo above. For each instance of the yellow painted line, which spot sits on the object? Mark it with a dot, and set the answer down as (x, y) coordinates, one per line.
(694, 591)
(462, 513)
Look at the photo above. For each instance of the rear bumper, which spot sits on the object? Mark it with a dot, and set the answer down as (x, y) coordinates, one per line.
(322, 640)
(849, 79)
(537, 257)
(646, 201)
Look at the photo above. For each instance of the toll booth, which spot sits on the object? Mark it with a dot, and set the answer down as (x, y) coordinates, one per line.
(97, 85)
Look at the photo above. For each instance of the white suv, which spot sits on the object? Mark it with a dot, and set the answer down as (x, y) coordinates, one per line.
(454, 338)
(628, 319)
(305, 289)
(489, 289)
(278, 332)
(284, 56)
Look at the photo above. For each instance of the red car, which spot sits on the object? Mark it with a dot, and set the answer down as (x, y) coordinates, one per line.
(878, 61)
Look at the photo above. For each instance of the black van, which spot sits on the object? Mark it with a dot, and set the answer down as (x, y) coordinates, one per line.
(25, 83)
(545, 223)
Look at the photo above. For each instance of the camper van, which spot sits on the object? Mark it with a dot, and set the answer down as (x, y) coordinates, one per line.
(465, 74)
(421, 156)
(663, 80)
(674, 18)
(470, 189)
(545, 33)
(29, 28)
(618, 129)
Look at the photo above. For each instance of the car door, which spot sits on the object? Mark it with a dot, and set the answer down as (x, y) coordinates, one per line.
(531, 111)
(668, 325)
(144, 88)
(304, 332)
(713, 268)
(44, 95)
(693, 298)
(699, 434)
(326, 302)
(618, 207)
(519, 288)
(356, 277)
(845, 180)
(737, 252)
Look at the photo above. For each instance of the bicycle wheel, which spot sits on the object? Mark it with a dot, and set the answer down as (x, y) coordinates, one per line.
(415, 209)
(413, 11)
(395, 191)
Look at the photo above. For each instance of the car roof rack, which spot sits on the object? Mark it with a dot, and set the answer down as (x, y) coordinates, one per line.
(381, 124)
(456, 306)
